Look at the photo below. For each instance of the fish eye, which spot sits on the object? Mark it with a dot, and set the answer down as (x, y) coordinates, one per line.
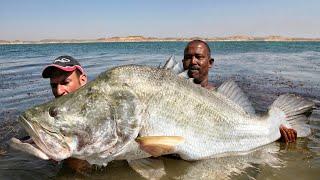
(53, 112)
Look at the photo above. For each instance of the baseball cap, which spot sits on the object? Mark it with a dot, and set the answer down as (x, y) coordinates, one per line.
(64, 63)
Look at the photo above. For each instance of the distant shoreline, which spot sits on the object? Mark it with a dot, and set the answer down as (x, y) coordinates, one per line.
(154, 39)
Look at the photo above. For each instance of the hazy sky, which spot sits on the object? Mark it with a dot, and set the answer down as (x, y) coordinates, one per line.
(92, 19)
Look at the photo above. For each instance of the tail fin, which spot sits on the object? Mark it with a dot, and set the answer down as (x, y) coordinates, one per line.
(292, 109)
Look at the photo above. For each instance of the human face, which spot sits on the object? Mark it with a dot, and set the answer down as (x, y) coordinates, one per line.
(197, 62)
(63, 83)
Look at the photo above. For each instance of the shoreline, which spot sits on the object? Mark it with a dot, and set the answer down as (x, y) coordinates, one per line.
(153, 39)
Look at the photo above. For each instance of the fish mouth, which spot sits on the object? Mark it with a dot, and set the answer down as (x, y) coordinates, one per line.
(39, 134)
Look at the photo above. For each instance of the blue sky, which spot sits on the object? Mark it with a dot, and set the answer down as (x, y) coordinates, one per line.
(92, 19)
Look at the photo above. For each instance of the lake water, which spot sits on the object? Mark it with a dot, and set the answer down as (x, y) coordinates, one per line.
(263, 70)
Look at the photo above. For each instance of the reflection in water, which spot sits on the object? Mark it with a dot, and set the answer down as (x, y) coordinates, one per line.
(245, 165)
(17, 165)
(220, 168)
(265, 162)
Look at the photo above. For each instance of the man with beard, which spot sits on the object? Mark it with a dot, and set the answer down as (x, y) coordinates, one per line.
(197, 60)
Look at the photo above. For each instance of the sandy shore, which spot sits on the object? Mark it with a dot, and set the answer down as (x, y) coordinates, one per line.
(155, 39)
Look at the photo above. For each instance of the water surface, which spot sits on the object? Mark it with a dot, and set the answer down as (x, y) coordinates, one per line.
(263, 70)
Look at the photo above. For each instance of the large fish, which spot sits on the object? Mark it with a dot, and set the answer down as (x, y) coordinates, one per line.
(133, 112)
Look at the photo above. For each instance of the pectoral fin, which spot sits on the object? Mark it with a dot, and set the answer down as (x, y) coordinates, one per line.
(148, 168)
(159, 145)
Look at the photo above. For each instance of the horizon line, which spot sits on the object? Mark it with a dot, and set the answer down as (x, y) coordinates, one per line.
(239, 36)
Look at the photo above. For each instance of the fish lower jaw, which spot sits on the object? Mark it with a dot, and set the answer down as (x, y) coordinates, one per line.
(41, 147)
(28, 148)
(55, 155)
(51, 147)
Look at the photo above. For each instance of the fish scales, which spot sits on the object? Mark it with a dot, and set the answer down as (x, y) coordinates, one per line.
(101, 121)
(207, 114)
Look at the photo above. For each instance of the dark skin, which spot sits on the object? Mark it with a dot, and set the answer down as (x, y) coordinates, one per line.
(288, 135)
(197, 60)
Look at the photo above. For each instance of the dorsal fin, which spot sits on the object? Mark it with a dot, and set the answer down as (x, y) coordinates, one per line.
(169, 63)
(178, 68)
(232, 91)
(173, 65)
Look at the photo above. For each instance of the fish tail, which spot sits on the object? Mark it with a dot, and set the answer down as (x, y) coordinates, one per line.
(292, 111)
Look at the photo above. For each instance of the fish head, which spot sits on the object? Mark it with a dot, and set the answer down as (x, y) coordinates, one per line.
(88, 122)
(48, 125)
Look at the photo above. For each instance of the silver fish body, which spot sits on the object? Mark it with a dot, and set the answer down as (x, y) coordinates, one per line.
(100, 121)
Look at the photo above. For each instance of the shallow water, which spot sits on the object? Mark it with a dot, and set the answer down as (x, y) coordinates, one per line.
(262, 69)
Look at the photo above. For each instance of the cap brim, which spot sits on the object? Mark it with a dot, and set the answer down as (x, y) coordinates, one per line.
(47, 71)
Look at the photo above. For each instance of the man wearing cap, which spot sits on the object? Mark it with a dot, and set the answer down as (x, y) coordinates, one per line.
(66, 75)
